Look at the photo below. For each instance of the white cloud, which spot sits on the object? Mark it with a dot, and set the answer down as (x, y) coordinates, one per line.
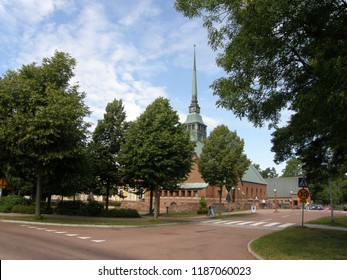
(142, 9)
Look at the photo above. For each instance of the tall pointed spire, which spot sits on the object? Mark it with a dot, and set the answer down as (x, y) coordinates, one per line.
(194, 106)
(194, 122)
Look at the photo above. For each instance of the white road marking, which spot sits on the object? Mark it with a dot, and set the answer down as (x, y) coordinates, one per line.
(219, 222)
(233, 222)
(71, 234)
(210, 221)
(257, 224)
(245, 223)
(59, 232)
(286, 225)
(271, 224)
(84, 237)
(98, 241)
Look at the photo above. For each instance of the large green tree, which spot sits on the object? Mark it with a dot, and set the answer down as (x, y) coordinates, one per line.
(105, 146)
(157, 149)
(283, 55)
(293, 168)
(41, 117)
(222, 161)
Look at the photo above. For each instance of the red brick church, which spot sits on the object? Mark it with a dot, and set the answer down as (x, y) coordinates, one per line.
(251, 189)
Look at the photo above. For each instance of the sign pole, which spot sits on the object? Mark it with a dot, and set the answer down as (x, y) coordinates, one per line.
(303, 194)
(302, 218)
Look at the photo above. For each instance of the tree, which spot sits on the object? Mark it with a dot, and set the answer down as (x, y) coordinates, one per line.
(157, 149)
(293, 168)
(222, 161)
(281, 55)
(269, 172)
(107, 138)
(41, 117)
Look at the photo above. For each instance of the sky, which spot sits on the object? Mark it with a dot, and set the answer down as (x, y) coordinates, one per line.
(134, 50)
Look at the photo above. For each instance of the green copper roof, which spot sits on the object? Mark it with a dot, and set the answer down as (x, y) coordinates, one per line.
(194, 118)
(252, 175)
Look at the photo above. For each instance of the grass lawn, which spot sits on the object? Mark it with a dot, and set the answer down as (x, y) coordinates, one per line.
(339, 221)
(302, 243)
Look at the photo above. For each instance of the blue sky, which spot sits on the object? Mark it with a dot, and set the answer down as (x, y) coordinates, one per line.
(134, 50)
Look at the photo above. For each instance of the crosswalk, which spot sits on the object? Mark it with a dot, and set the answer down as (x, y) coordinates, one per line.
(253, 224)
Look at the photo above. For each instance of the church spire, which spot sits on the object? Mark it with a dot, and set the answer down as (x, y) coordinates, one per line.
(194, 122)
(194, 106)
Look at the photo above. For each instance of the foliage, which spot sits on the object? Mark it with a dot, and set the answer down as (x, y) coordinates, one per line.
(157, 149)
(8, 202)
(222, 161)
(121, 213)
(284, 55)
(269, 172)
(41, 118)
(105, 146)
(70, 208)
(202, 203)
(293, 168)
(203, 211)
(23, 209)
(93, 209)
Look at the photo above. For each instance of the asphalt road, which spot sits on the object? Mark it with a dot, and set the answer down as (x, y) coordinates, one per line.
(205, 239)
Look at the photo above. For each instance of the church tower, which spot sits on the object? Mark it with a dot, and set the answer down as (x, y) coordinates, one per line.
(194, 122)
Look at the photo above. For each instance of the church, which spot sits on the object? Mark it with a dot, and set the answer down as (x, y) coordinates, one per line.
(251, 188)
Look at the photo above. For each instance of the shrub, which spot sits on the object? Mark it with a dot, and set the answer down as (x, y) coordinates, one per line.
(70, 208)
(203, 203)
(7, 202)
(23, 209)
(93, 208)
(202, 211)
(121, 213)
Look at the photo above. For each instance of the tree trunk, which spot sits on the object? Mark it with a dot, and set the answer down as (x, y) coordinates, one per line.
(150, 210)
(220, 200)
(38, 195)
(107, 195)
(156, 203)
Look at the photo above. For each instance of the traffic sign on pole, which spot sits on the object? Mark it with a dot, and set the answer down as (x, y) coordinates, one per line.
(3, 183)
(303, 194)
(302, 183)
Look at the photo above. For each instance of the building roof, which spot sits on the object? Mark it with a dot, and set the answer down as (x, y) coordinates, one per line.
(283, 186)
(252, 175)
(201, 185)
(194, 118)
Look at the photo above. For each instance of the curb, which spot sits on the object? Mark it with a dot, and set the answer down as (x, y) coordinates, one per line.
(258, 257)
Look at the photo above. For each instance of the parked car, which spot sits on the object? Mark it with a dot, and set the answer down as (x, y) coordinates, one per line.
(316, 207)
(345, 207)
(319, 207)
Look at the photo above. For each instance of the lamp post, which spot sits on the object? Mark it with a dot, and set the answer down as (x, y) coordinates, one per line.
(291, 200)
(275, 197)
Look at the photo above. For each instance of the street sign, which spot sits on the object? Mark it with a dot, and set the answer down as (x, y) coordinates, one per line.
(302, 183)
(303, 194)
(3, 183)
